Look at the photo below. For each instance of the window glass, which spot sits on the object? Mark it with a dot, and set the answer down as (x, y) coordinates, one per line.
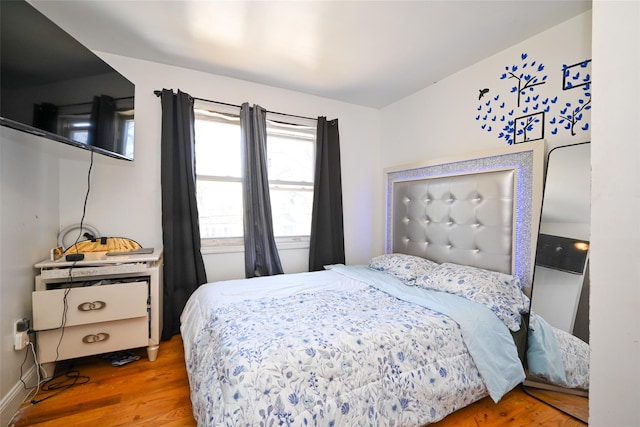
(218, 145)
(220, 208)
(291, 210)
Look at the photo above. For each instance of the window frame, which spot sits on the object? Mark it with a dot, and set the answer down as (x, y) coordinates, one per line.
(236, 244)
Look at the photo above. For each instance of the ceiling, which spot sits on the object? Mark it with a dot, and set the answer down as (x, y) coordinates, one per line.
(370, 53)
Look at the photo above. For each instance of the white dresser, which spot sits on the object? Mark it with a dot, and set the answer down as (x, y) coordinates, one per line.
(98, 305)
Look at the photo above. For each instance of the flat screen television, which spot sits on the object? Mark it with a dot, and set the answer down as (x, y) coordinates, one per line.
(53, 86)
(562, 253)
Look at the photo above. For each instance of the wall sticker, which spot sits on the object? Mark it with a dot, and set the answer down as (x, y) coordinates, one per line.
(575, 76)
(532, 104)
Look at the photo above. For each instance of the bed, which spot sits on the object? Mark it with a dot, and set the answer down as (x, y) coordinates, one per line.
(418, 332)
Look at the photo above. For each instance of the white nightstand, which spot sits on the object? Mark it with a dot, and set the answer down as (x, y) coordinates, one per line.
(98, 305)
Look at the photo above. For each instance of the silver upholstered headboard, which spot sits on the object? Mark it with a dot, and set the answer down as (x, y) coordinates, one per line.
(481, 211)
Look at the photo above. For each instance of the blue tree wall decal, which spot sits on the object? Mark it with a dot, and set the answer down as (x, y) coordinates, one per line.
(525, 127)
(526, 120)
(518, 125)
(575, 76)
(572, 115)
(526, 81)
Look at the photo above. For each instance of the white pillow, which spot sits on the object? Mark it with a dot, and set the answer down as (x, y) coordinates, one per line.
(501, 293)
(407, 268)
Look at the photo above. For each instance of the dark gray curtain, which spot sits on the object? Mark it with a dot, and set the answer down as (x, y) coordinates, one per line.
(260, 252)
(45, 117)
(103, 123)
(183, 265)
(326, 244)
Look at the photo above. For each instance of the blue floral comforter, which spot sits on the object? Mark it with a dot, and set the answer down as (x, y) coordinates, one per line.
(328, 349)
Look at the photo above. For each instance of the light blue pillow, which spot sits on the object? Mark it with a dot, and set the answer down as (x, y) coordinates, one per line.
(501, 293)
(407, 268)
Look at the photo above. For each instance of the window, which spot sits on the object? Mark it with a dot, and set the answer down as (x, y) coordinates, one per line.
(290, 167)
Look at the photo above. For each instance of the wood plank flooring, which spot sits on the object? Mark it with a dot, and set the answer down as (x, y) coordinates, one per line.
(146, 393)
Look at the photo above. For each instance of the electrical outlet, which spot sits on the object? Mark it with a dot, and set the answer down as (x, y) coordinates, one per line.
(21, 334)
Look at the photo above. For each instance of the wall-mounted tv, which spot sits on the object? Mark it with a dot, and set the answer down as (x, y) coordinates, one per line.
(562, 253)
(53, 86)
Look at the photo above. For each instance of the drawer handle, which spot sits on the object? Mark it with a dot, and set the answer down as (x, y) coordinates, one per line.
(93, 338)
(89, 306)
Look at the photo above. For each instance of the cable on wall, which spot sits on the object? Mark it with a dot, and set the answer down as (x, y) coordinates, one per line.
(74, 376)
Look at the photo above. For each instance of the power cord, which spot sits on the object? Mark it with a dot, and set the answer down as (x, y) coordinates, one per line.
(71, 375)
(65, 304)
(35, 359)
(60, 383)
(57, 383)
(84, 211)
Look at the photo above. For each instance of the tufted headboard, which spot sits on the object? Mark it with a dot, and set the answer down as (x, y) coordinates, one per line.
(482, 211)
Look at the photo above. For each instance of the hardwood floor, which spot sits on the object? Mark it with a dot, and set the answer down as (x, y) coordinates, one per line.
(141, 393)
(146, 393)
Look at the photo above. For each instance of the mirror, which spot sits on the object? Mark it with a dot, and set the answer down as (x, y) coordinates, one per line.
(558, 368)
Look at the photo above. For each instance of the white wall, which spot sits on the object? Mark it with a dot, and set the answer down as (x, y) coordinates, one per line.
(125, 197)
(28, 226)
(440, 120)
(615, 216)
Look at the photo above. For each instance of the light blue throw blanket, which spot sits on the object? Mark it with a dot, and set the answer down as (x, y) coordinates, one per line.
(543, 354)
(488, 340)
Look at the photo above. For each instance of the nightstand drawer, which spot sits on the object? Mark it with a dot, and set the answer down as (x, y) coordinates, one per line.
(89, 304)
(96, 338)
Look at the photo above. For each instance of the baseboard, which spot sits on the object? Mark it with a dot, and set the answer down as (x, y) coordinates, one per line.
(11, 402)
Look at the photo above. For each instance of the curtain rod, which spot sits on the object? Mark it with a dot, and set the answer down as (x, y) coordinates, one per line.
(159, 92)
(89, 103)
